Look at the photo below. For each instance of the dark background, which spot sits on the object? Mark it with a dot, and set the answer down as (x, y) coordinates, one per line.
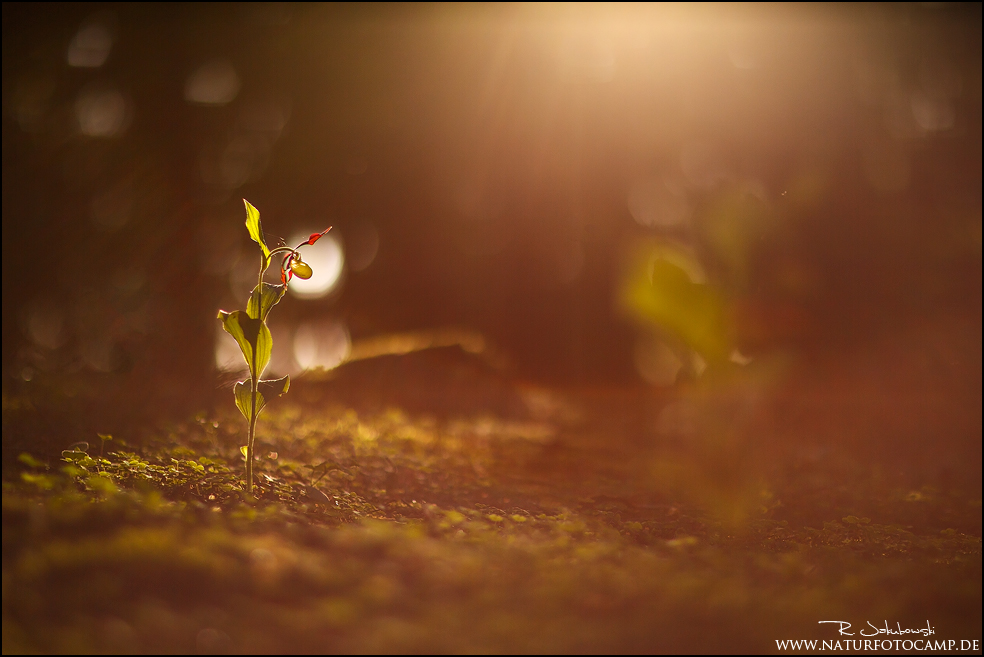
(493, 153)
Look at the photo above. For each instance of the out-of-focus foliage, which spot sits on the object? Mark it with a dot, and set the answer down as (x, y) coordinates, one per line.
(666, 290)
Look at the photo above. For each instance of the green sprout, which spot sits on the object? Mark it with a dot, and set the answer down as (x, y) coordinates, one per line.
(250, 330)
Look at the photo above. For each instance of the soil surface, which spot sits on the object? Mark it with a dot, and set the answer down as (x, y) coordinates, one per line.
(429, 503)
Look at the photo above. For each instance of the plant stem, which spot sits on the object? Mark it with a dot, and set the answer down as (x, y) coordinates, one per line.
(254, 380)
(252, 432)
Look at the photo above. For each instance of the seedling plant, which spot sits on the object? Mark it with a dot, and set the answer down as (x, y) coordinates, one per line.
(250, 330)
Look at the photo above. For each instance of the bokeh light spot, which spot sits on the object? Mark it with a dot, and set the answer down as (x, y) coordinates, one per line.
(213, 83)
(932, 114)
(90, 46)
(321, 344)
(327, 261)
(101, 111)
(44, 323)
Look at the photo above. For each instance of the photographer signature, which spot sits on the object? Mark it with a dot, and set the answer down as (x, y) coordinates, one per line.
(844, 626)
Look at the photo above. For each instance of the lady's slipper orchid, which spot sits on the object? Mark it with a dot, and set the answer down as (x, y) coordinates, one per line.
(250, 330)
(300, 268)
(292, 263)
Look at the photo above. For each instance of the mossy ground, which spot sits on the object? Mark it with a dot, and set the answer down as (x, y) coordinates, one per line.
(396, 531)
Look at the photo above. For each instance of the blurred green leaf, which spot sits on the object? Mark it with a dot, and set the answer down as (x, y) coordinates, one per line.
(44, 482)
(660, 291)
(101, 483)
(255, 228)
(29, 460)
(253, 337)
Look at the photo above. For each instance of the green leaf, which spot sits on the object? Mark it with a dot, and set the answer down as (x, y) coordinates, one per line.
(77, 456)
(243, 393)
(266, 390)
(661, 291)
(44, 482)
(101, 483)
(255, 228)
(274, 387)
(264, 297)
(253, 336)
(29, 460)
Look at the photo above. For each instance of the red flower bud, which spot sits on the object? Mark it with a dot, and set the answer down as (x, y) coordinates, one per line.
(317, 236)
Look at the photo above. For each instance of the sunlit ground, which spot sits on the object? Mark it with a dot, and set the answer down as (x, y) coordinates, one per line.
(466, 514)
